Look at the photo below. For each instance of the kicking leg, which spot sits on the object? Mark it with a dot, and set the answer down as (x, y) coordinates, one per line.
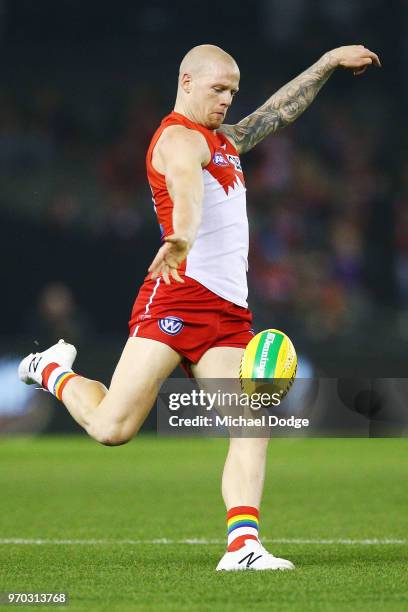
(111, 416)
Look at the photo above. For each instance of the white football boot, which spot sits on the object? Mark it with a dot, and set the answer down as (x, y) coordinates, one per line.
(252, 556)
(31, 367)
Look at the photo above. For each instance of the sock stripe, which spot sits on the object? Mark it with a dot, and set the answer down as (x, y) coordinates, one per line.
(59, 378)
(240, 542)
(55, 377)
(241, 531)
(242, 524)
(251, 510)
(242, 517)
(48, 370)
(253, 524)
(62, 381)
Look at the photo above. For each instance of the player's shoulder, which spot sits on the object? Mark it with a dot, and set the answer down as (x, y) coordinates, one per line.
(176, 137)
(181, 133)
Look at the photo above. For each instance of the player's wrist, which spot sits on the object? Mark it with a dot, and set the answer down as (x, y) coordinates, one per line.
(331, 60)
(182, 241)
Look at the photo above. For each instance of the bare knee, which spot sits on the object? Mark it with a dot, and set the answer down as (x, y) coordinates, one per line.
(112, 434)
(113, 439)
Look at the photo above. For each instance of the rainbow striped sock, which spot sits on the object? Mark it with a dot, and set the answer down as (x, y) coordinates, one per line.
(55, 377)
(243, 524)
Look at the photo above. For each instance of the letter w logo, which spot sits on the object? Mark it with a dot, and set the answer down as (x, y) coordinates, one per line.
(250, 559)
(171, 325)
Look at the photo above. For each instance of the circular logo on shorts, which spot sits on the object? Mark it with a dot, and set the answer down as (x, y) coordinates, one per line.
(171, 325)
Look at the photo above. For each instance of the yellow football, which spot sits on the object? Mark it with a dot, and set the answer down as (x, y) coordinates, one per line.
(268, 364)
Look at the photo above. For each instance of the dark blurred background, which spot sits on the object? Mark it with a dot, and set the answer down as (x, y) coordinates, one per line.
(84, 84)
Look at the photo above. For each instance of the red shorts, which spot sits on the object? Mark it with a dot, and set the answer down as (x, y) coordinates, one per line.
(189, 318)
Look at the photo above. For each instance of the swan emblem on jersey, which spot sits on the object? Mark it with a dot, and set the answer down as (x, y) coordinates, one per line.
(219, 159)
(171, 325)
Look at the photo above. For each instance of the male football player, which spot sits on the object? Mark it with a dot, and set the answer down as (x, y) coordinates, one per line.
(192, 306)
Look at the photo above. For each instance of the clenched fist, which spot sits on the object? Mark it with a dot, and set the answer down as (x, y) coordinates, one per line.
(356, 57)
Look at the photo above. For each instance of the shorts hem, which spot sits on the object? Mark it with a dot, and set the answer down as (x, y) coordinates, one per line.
(182, 354)
(242, 345)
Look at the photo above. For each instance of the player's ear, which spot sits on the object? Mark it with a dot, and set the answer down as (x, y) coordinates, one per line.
(185, 82)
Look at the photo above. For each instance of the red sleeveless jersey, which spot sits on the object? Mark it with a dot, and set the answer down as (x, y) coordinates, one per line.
(218, 257)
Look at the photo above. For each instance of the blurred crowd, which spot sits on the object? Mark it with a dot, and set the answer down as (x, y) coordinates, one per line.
(313, 191)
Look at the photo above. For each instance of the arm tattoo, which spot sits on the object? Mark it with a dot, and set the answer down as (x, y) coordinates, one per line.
(286, 105)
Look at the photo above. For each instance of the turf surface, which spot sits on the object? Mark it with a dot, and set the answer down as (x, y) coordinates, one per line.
(73, 489)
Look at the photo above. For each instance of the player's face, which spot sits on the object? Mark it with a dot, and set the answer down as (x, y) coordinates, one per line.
(213, 94)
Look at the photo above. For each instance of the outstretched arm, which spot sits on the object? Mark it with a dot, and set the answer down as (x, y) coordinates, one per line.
(289, 102)
(182, 153)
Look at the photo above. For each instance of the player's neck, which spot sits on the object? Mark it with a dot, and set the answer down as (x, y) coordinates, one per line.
(181, 108)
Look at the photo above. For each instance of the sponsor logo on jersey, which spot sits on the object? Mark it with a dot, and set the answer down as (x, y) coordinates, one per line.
(235, 161)
(219, 159)
(171, 325)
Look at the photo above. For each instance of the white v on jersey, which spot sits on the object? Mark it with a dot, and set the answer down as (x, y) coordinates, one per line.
(219, 256)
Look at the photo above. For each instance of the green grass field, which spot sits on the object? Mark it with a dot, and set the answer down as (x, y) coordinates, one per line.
(56, 489)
